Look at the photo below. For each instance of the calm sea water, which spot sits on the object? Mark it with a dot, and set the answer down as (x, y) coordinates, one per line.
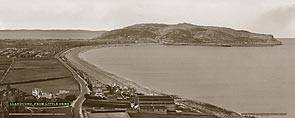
(243, 79)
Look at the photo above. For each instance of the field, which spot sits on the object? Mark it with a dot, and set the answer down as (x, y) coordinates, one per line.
(4, 63)
(34, 54)
(27, 69)
(33, 66)
(34, 60)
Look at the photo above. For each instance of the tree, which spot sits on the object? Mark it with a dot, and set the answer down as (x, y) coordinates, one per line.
(70, 97)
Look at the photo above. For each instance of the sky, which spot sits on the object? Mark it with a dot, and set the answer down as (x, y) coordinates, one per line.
(275, 17)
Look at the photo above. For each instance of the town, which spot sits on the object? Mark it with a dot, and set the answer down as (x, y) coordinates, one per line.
(39, 81)
(103, 100)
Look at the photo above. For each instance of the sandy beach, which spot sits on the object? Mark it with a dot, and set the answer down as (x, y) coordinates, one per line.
(99, 76)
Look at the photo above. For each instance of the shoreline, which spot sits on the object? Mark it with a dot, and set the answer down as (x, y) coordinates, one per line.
(227, 44)
(100, 76)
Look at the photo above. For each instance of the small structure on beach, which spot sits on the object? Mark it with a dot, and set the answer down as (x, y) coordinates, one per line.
(154, 104)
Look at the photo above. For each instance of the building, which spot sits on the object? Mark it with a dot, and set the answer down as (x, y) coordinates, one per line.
(108, 115)
(155, 104)
(153, 109)
(107, 104)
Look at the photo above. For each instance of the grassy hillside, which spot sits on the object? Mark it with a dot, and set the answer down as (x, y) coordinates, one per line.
(187, 33)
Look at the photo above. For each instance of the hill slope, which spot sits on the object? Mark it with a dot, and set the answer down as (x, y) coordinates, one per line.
(49, 34)
(185, 33)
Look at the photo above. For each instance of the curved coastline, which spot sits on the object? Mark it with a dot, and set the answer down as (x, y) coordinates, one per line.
(100, 76)
(96, 74)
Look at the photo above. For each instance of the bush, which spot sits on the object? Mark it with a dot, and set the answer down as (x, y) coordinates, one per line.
(70, 97)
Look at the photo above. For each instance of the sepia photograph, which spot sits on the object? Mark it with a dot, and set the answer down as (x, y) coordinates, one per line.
(147, 58)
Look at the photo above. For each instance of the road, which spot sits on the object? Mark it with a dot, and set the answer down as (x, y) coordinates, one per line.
(77, 104)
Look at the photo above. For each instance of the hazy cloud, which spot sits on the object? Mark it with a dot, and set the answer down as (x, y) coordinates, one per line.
(277, 20)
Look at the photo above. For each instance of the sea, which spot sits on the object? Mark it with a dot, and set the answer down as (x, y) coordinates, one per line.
(242, 79)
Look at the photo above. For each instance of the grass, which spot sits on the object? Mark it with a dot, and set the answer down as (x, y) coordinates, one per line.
(27, 69)
(36, 69)
(4, 63)
(31, 68)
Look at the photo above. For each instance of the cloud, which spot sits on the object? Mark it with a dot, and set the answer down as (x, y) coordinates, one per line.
(110, 14)
(276, 20)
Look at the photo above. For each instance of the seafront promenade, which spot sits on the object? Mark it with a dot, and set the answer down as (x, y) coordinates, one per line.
(77, 104)
(67, 59)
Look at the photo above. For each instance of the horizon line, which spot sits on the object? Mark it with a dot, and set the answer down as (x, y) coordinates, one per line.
(47, 29)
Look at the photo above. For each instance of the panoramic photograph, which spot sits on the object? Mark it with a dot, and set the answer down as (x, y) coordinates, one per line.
(147, 58)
